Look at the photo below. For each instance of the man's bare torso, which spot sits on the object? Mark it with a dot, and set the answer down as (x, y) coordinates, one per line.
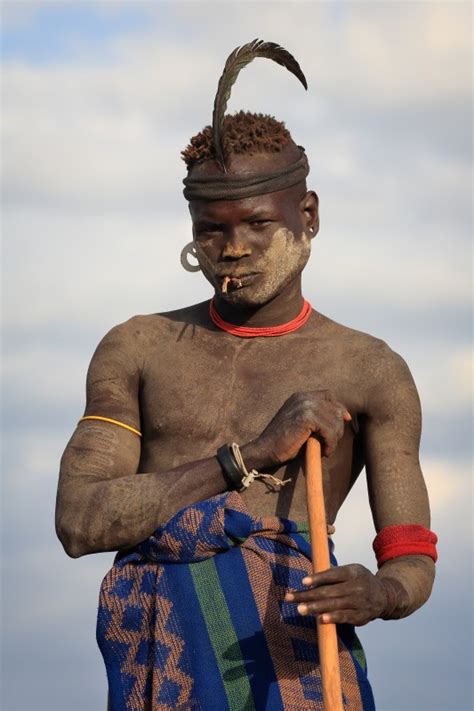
(191, 387)
(201, 387)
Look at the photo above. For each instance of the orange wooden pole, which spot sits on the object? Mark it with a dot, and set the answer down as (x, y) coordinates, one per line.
(327, 636)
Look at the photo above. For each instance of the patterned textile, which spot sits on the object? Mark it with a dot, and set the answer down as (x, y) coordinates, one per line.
(194, 618)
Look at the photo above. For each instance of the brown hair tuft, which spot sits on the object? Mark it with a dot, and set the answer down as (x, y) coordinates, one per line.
(244, 132)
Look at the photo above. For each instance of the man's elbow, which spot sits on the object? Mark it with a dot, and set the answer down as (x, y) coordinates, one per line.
(72, 523)
(78, 540)
(73, 540)
(73, 531)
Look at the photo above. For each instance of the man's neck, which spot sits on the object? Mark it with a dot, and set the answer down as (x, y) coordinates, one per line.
(284, 307)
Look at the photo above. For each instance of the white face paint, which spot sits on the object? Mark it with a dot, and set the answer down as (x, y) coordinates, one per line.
(285, 258)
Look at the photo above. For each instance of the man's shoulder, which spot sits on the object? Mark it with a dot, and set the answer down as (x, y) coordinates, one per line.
(195, 314)
(348, 336)
(140, 329)
(364, 349)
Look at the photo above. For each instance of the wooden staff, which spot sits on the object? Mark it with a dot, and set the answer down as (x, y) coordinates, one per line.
(327, 635)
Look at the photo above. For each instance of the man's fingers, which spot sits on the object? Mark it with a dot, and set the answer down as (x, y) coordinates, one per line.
(328, 577)
(338, 574)
(328, 442)
(343, 412)
(342, 617)
(321, 593)
(322, 606)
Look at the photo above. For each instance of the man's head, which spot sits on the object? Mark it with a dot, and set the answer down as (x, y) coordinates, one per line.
(259, 242)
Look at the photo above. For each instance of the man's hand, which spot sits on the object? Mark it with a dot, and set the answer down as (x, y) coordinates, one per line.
(303, 414)
(349, 594)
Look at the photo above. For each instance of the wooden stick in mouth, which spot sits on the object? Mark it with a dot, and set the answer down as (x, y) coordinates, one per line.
(225, 284)
(233, 281)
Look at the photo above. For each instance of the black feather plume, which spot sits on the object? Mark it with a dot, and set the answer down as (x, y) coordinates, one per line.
(240, 57)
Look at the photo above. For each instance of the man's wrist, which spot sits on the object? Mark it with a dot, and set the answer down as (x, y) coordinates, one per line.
(395, 594)
(234, 472)
(253, 456)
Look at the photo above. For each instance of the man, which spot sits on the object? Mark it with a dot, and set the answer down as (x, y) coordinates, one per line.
(210, 610)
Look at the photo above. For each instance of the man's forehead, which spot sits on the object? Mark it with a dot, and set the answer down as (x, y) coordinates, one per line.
(213, 210)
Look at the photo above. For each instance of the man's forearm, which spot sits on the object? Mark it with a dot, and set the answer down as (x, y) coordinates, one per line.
(407, 583)
(94, 514)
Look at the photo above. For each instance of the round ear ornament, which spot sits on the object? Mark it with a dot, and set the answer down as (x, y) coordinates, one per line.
(189, 251)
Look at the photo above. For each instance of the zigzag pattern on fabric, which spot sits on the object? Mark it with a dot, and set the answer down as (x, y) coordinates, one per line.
(195, 618)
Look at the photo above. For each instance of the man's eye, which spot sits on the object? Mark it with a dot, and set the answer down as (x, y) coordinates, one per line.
(260, 223)
(211, 228)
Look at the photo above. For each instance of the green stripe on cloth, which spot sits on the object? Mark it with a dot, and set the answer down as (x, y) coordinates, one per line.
(359, 654)
(222, 634)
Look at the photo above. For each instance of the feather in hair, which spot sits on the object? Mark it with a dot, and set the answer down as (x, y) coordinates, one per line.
(240, 57)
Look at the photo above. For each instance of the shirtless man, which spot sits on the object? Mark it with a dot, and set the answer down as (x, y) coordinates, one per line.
(191, 387)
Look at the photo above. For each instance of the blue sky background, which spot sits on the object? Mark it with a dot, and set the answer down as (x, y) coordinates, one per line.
(98, 99)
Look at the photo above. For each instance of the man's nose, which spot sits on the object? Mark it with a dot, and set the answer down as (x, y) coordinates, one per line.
(236, 246)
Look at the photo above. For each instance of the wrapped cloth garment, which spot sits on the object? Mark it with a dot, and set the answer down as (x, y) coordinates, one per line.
(194, 618)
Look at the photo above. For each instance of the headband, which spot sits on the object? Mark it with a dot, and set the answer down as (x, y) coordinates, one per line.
(236, 187)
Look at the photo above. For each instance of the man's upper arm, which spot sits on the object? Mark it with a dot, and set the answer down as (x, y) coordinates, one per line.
(101, 450)
(392, 433)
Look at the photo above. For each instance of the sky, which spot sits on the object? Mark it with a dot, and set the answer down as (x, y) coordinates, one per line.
(98, 100)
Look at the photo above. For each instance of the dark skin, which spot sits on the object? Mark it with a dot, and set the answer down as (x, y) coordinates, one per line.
(191, 387)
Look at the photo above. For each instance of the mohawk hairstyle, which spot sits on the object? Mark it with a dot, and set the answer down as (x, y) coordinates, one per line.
(244, 132)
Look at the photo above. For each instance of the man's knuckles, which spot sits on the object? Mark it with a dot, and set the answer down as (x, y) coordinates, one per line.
(326, 395)
(320, 397)
(322, 592)
(356, 570)
(318, 406)
(304, 413)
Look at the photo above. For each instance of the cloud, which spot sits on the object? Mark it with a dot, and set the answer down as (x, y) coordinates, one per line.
(93, 221)
(102, 136)
(452, 373)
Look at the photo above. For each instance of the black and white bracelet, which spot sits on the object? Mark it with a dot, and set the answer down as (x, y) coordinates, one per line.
(236, 473)
(232, 472)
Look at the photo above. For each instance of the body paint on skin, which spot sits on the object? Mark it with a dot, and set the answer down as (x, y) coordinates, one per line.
(98, 444)
(277, 266)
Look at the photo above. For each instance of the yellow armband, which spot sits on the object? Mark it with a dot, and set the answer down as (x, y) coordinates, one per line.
(114, 422)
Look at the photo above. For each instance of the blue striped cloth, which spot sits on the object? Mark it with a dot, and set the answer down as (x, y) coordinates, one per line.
(194, 618)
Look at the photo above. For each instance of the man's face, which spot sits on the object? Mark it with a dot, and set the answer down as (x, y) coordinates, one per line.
(251, 249)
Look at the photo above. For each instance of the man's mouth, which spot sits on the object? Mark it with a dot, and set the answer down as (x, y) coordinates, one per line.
(232, 283)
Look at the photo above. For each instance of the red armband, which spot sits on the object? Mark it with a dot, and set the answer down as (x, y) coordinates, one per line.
(409, 539)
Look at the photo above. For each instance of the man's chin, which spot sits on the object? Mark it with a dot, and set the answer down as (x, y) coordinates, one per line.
(245, 297)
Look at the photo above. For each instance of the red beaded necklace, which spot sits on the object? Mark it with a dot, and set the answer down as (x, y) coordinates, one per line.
(249, 332)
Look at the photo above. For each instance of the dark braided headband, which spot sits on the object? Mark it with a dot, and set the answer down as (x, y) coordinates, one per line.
(235, 187)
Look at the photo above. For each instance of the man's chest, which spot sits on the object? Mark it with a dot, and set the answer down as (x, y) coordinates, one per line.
(212, 389)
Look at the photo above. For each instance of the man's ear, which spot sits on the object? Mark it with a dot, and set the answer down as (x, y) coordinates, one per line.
(310, 208)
